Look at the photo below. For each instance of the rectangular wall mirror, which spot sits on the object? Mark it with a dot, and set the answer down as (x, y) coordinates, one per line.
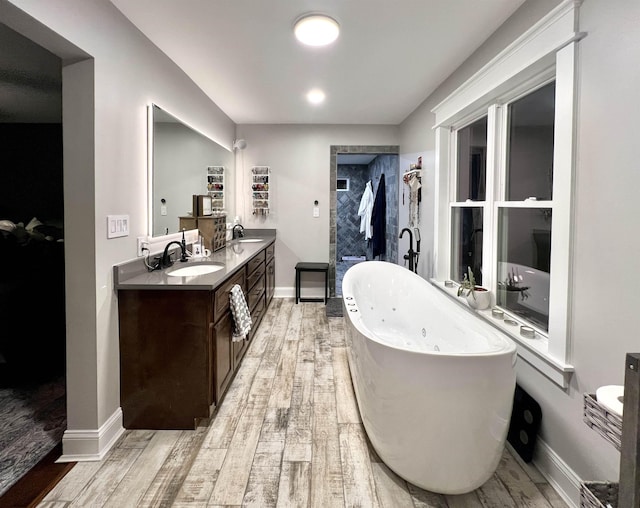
(183, 163)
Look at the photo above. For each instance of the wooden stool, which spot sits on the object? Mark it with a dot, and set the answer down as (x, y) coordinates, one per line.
(312, 267)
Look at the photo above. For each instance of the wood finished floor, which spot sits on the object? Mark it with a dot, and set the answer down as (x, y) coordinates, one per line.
(287, 434)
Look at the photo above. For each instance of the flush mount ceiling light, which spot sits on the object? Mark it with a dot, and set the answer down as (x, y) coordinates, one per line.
(315, 96)
(316, 29)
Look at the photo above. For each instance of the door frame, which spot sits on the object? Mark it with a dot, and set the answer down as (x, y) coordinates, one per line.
(333, 195)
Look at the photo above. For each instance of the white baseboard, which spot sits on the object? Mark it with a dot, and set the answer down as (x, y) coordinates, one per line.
(91, 444)
(558, 473)
(284, 292)
(290, 292)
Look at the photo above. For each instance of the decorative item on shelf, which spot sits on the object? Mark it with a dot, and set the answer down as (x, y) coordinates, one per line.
(510, 289)
(497, 313)
(215, 187)
(478, 298)
(260, 189)
(602, 420)
(413, 179)
(527, 331)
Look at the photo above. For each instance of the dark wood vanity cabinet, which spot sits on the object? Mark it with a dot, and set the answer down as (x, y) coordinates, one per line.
(270, 275)
(177, 355)
(255, 296)
(165, 356)
(224, 366)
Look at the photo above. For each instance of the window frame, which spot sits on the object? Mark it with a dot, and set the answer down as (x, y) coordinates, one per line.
(550, 47)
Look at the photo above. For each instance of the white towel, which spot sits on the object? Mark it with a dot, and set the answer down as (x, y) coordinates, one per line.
(240, 312)
(365, 210)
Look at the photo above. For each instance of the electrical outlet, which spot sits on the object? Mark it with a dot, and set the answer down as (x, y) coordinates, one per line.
(143, 246)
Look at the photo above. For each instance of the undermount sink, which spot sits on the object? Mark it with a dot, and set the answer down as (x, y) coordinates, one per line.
(199, 269)
(250, 240)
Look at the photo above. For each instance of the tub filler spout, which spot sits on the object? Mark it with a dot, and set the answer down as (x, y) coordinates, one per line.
(411, 255)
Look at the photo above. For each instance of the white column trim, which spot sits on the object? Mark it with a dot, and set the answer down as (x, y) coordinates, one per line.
(84, 445)
(442, 219)
(562, 218)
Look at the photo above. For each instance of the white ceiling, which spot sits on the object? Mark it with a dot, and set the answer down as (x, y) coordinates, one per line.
(391, 54)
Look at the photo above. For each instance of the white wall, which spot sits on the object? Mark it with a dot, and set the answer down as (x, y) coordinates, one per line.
(299, 159)
(105, 173)
(604, 313)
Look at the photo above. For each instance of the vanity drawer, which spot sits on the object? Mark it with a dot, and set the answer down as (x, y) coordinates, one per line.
(221, 298)
(256, 292)
(256, 316)
(254, 275)
(270, 251)
(255, 263)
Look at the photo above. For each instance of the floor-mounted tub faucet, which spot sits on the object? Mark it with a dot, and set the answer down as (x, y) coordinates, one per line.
(411, 254)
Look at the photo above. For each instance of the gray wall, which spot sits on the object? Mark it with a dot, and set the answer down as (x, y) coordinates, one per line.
(299, 156)
(604, 316)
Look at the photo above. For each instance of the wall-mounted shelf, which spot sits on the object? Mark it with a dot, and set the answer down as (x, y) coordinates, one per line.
(261, 189)
(624, 434)
(215, 187)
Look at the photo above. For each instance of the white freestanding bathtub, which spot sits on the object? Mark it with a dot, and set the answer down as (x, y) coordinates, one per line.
(434, 383)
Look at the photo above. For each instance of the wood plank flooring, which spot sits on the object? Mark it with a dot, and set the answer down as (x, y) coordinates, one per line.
(287, 434)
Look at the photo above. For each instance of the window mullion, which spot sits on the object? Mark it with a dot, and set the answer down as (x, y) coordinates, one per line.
(495, 144)
(493, 156)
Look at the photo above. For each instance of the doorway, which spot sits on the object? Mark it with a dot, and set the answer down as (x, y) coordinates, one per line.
(351, 167)
(32, 293)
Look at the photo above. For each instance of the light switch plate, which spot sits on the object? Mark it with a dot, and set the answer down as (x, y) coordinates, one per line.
(117, 225)
(316, 211)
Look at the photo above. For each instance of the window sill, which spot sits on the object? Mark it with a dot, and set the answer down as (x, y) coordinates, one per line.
(534, 351)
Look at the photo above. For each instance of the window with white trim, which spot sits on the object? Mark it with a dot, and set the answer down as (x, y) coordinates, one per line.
(504, 186)
(520, 203)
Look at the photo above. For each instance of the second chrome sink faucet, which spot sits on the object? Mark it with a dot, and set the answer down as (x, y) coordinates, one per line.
(238, 231)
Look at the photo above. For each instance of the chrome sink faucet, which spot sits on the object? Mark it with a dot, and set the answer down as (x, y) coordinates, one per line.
(238, 231)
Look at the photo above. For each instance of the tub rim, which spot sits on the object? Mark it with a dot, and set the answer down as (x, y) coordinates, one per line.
(507, 345)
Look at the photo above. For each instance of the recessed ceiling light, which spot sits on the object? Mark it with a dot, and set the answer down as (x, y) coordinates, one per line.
(316, 29)
(315, 96)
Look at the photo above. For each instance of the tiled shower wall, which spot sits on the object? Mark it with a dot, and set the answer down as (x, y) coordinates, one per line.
(349, 240)
(388, 165)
